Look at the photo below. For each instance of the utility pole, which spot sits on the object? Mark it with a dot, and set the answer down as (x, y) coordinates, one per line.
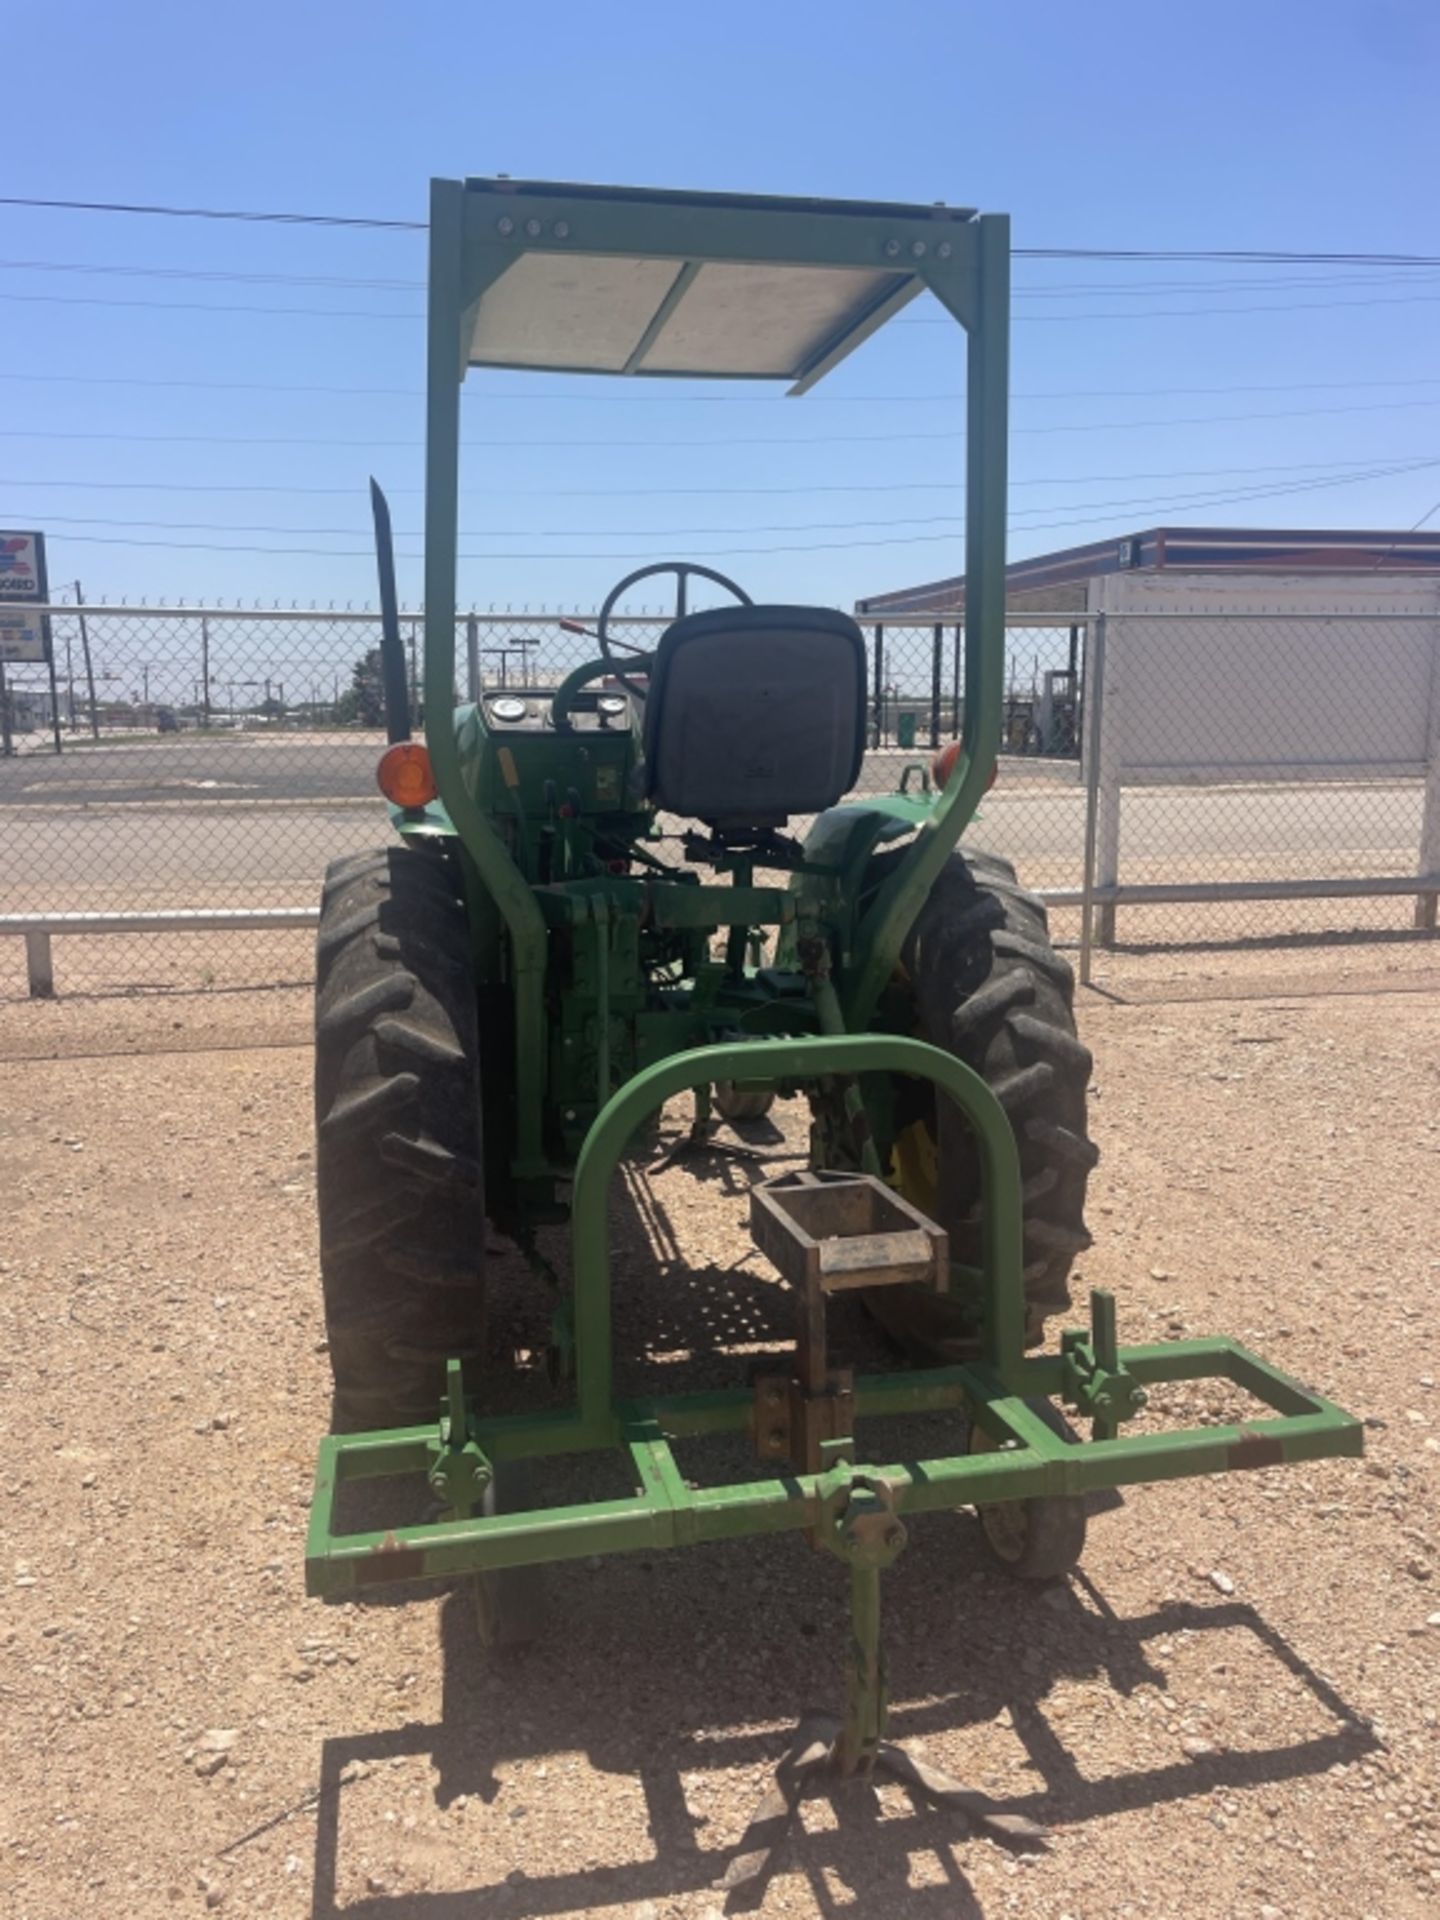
(89, 667)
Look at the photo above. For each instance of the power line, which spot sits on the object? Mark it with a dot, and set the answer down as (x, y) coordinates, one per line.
(1069, 289)
(224, 274)
(204, 306)
(1089, 517)
(1231, 256)
(636, 533)
(1034, 290)
(611, 493)
(1190, 313)
(1236, 256)
(1018, 319)
(231, 386)
(217, 213)
(483, 398)
(706, 446)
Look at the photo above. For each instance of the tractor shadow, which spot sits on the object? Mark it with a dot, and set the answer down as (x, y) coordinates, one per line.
(674, 1677)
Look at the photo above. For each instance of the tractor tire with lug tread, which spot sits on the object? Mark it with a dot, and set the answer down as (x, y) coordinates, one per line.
(988, 986)
(397, 1109)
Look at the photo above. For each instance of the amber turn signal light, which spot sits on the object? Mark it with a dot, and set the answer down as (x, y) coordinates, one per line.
(943, 765)
(405, 775)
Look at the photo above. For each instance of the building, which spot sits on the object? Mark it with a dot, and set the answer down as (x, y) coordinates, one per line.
(1213, 575)
(1074, 580)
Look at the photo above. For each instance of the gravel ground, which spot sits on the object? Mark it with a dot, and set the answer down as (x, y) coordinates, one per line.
(1233, 1712)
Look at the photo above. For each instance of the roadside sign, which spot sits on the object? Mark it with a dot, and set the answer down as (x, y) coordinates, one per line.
(24, 635)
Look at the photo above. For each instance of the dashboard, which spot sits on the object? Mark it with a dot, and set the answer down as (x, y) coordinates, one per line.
(593, 709)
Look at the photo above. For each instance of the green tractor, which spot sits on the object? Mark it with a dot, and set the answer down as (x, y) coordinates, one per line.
(648, 880)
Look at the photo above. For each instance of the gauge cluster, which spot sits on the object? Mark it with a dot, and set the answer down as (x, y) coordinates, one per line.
(592, 709)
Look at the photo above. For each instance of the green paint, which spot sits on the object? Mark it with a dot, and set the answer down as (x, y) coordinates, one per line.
(602, 994)
(664, 1511)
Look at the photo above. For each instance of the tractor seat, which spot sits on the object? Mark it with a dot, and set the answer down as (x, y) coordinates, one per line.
(754, 714)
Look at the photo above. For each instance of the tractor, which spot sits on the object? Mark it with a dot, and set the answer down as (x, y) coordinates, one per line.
(655, 878)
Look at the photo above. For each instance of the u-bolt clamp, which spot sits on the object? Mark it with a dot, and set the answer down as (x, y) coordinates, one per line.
(863, 1527)
(1095, 1381)
(460, 1473)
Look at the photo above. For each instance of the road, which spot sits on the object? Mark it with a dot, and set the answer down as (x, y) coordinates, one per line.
(216, 768)
(245, 820)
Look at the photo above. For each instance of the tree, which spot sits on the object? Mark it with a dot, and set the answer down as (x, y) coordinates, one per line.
(363, 702)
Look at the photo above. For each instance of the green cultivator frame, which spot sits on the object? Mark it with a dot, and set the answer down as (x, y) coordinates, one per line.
(849, 1507)
(601, 983)
(1102, 1382)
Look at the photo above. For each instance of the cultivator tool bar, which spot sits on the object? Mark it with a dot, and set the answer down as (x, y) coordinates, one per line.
(821, 1233)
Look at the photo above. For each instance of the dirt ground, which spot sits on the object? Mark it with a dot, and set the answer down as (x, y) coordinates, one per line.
(1233, 1711)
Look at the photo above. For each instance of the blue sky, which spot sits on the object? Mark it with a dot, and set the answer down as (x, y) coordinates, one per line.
(1140, 392)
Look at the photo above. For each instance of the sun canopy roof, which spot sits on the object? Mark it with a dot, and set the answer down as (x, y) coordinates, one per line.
(626, 280)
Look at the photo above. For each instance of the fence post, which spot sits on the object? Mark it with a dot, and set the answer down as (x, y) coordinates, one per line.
(472, 658)
(1094, 707)
(1108, 771)
(1430, 818)
(937, 642)
(879, 683)
(39, 964)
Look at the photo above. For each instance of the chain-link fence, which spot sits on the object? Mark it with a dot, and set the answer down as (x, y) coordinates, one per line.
(1200, 778)
(1256, 777)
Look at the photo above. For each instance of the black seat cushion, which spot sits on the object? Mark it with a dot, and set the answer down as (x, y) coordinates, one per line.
(755, 713)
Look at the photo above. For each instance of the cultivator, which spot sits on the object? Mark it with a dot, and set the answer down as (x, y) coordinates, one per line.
(526, 961)
(805, 1423)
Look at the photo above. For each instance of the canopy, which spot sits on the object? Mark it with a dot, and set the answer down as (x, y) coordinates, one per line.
(663, 285)
(630, 280)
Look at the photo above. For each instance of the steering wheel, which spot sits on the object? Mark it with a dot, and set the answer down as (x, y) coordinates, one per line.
(683, 571)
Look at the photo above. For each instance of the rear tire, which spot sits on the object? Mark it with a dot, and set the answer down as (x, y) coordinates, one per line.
(988, 987)
(397, 1110)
